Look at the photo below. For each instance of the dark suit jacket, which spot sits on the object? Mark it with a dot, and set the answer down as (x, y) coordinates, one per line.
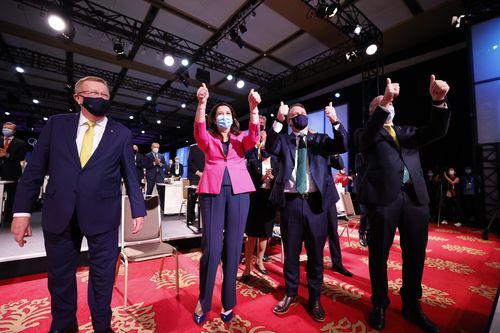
(384, 162)
(255, 170)
(151, 168)
(140, 161)
(92, 192)
(181, 170)
(196, 162)
(319, 147)
(10, 167)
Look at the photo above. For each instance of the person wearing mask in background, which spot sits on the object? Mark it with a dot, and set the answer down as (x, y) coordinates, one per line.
(140, 162)
(12, 153)
(452, 209)
(394, 193)
(177, 169)
(154, 164)
(86, 156)
(254, 153)
(260, 221)
(304, 192)
(471, 188)
(433, 191)
(224, 197)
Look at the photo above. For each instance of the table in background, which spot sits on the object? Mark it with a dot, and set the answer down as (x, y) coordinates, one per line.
(2, 184)
(193, 204)
(173, 198)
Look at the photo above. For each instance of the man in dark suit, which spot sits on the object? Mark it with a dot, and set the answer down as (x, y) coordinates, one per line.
(12, 153)
(86, 156)
(304, 192)
(196, 164)
(139, 160)
(393, 190)
(177, 169)
(154, 164)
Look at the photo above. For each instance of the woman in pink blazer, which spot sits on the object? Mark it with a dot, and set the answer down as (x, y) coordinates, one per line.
(224, 197)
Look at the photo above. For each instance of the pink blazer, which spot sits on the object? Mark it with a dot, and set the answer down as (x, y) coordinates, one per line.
(216, 161)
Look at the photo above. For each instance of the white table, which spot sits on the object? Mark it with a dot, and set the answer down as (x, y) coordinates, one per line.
(173, 198)
(2, 184)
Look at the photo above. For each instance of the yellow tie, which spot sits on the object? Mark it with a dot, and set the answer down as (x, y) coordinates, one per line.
(88, 138)
(392, 134)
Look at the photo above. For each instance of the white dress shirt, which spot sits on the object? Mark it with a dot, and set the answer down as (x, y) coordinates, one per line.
(99, 128)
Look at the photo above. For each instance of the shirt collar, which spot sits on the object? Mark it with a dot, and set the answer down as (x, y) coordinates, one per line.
(302, 132)
(101, 122)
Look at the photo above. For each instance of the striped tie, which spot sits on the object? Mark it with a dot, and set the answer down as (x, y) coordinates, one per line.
(88, 139)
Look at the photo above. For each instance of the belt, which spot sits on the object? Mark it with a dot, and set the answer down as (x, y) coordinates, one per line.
(305, 196)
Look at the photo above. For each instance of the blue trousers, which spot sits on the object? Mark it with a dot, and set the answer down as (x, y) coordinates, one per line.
(224, 217)
(63, 251)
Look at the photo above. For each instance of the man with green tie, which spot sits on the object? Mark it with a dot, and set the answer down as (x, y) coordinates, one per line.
(394, 192)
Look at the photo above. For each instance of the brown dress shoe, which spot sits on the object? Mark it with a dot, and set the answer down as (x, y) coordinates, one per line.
(284, 305)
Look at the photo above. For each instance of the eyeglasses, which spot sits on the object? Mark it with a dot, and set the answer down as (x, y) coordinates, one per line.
(94, 93)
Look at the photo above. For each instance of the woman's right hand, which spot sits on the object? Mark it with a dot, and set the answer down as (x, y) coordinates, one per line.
(202, 94)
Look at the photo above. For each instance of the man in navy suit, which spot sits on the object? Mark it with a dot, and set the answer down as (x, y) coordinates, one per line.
(86, 156)
(304, 192)
(139, 160)
(155, 164)
(394, 192)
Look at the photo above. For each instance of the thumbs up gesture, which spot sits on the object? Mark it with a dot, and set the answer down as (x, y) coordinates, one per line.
(330, 113)
(202, 94)
(438, 89)
(282, 112)
(253, 99)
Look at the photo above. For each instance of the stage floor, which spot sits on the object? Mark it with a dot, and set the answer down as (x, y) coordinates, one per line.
(174, 228)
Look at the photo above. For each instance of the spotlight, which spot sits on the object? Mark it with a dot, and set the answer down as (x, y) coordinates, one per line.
(45, 118)
(178, 126)
(229, 77)
(149, 98)
(337, 95)
(240, 84)
(357, 30)
(332, 10)
(272, 114)
(130, 117)
(168, 60)
(118, 48)
(68, 34)
(185, 62)
(158, 121)
(143, 131)
(243, 28)
(35, 101)
(7, 113)
(19, 69)
(371, 49)
(459, 21)
(183, 105)
(184, 79)
(56, 22)
(324, 10)
(351, 56)
(236, 38)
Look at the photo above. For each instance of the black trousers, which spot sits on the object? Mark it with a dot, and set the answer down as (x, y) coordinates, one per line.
(333, 237)
(303, 220)
(411, 219)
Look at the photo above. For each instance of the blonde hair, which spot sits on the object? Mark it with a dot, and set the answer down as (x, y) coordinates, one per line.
(89, 78)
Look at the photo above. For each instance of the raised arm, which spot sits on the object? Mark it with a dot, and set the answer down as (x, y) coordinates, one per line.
(200, 129)
(253, 127)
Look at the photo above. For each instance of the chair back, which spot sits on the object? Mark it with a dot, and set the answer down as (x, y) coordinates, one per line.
(151, 230)
(349, 207)
(185, 182)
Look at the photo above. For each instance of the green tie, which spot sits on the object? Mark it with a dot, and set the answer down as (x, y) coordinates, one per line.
(88, 139)
(301, 177)
(392, 134)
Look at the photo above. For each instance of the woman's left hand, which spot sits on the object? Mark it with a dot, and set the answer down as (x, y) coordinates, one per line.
(253, 100)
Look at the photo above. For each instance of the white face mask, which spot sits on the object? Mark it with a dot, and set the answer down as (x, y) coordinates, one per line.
(392, 113)
(156, 150)
(451, 172)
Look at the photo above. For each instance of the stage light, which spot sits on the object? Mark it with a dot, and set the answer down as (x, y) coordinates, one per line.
(331, 10)
(371, 49)
(183, 77)
(233, 33)
(130, 117)
(178, 126)
(183, 105)
(143, 131)
(118, 48)
(495, 47)
(7, 113)
(337, 95)
(45, 118)
(35, 101)
(459, 21)
(243, 28)
(325, 10)
(56, 22)
(19, 69)
(168, 60)
(158, 121)
(185, 62)
(351, 56)
(240, 84)
(149, 98)
(272, 114)
(357, 30)
(229, 77)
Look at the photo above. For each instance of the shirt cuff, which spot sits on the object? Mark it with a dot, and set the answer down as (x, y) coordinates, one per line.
(277, 126)
(22, 215)
(336, 127)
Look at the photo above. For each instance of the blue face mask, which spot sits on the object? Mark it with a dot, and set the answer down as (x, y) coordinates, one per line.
(300, 122)
(96, 105)
(224, 122)
(7, 132)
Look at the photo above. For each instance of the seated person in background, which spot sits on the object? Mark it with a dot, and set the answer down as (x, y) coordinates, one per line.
(177, 169)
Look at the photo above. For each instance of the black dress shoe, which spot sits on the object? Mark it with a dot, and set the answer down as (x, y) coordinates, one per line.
(261, 270)
(71, 328)
(376, 318)
(316, 311)
(362, 239)
(265, 258)
(284, 305)
(418, 317)
(341, 269)
(245, 278)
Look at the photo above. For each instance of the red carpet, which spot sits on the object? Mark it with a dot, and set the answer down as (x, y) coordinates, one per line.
(460, 280)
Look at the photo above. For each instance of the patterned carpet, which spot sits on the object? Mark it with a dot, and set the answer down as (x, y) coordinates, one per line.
(461, 277)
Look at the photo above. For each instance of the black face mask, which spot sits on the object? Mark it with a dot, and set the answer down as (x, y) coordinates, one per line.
(300, 122)
(96, 105)
(262, 127)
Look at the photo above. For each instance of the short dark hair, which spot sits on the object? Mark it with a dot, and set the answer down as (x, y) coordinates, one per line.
(297, 104)
(212, 123)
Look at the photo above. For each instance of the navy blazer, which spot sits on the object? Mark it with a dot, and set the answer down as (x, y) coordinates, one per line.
(319, 148)
(384, 162)
(151, 168)
(10, 167)
(92, 192)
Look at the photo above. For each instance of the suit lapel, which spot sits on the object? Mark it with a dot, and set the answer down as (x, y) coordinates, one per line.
(387, 137)
(107, 138)
(70, 132)
(292, 145)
